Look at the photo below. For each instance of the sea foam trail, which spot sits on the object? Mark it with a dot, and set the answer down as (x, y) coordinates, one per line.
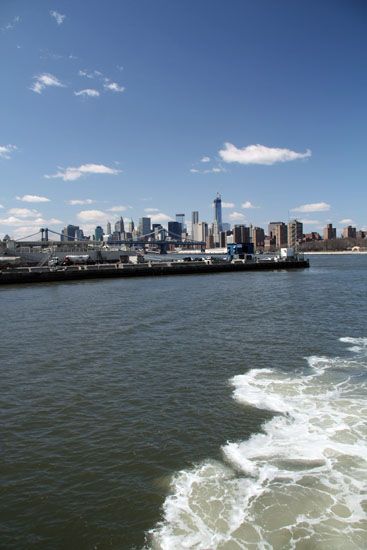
(299, 484)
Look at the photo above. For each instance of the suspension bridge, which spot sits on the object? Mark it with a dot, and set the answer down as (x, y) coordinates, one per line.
(160, 239)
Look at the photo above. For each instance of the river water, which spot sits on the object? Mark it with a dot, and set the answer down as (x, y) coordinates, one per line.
(223, 411)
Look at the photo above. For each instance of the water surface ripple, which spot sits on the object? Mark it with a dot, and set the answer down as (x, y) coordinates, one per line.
(115, 393)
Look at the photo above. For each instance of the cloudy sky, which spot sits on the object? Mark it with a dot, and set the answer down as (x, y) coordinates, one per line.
(142, 107)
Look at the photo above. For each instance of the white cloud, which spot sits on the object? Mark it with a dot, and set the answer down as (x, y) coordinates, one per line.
(73, 173)
(32, 198)
(59, 17)
(7, 150)
(236, 216)
(45, 80)
(151, 210)
(214, 170)
(23, 212)
(32, 223)
(312, 207)
(228, 205)
(205, 159)
(310, 222)
(78, 202)
(90, 216)
(117, 208)
(248, 204)
(346, 221)
(114, 87)
(88, 92)
(160, 217)
(1, 206)
(259, 154)
(11, 25)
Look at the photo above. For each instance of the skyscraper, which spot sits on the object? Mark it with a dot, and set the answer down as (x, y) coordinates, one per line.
(119, 225)
(144, 226)
(194, 217)
(109, 229)
(180, 218)
(217, 203)
(98, 233)
(174, 230)
(68, 233)
(200, 231)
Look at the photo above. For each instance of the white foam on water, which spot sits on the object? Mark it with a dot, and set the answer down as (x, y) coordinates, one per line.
(360, 344)
(299, 484)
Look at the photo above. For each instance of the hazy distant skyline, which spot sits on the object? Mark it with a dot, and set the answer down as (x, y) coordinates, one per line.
(140, 108)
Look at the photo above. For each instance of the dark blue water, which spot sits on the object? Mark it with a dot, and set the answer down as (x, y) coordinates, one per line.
(109, 388)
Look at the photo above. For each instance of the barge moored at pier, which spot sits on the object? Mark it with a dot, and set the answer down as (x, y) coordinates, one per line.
(23, 275)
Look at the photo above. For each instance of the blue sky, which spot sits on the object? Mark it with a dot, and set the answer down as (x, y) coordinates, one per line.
(149, 107)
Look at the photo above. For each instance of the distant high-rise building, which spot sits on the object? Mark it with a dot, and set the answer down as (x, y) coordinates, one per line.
(68, 233)
(98, 233)
(180, 218)
(144, 226)
(217, 204)
(349, 232)
(278, 233)
(120, 226)
(79, 234)
(329, 232)
(194, 217)
(295, 233)
(241, 234)
(174, 230)
(222, 239)
(258, 237)
(130, 226)
(109, 228)
(200, 231)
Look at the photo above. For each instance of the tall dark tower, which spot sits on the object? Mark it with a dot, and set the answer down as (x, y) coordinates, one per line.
(218, 211)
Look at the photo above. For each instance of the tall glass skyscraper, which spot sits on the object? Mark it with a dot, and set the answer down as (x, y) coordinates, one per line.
(218, 211)
(180, 218)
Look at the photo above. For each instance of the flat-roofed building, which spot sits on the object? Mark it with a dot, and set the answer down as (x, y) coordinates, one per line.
(295, 233)
(349, 232)
(329, 232)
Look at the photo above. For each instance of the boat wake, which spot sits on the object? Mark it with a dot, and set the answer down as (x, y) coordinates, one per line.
(300, 483)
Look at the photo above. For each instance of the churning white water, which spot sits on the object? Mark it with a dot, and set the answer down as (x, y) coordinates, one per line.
(301, 483)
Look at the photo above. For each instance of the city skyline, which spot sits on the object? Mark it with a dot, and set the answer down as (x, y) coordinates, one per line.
(145, 110)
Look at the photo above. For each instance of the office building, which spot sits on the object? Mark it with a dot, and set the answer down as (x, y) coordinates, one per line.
(144, 227)
(180, 218)
(217, 204)
(175, 230)
(69, 233)
(98, 233)
(130, 226)
(200, 231)
(120, 226)
(194, 217)
(109, 228)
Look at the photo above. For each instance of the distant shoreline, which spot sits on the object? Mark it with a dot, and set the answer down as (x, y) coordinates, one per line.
(329, 252)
